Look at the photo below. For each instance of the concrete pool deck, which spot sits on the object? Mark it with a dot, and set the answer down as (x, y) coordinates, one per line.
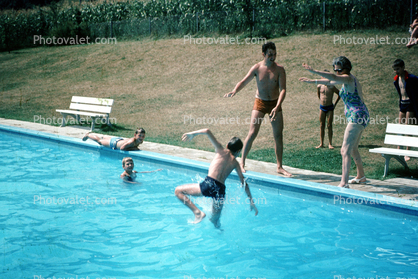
(396, 187)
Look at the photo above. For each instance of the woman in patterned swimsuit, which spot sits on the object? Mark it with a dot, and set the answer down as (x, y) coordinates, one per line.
(355, 111)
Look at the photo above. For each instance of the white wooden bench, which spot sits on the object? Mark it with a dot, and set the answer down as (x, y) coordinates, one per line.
(95, 108)
(398, 135)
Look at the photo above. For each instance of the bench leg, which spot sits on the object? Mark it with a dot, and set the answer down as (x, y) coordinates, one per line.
(400, 159)
(387, 159)
(77, 118)
(108, 122)
(64, 119)
(93, 122)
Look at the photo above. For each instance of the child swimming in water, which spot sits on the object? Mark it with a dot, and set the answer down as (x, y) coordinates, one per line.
(129, 175)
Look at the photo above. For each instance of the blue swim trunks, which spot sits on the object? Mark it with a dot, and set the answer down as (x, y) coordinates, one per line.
(326, 108)
(405, 106)
(212, 188)
(114, 142)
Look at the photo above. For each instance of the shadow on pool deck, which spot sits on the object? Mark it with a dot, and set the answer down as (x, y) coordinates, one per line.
(396, 187)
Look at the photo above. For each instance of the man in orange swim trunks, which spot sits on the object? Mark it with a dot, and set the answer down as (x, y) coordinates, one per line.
(270, 94)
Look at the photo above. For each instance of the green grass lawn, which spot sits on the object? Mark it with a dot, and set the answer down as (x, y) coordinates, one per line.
(166, 85)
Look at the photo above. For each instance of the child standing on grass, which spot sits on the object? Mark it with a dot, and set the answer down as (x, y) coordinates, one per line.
(129, 174)
(326, 110)
(407, 86)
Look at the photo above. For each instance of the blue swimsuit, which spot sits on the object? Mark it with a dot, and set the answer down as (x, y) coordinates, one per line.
(114, 142)
(355, 110)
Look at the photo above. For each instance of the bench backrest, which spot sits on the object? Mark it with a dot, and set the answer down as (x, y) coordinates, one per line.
(91, 104)
(402, 135)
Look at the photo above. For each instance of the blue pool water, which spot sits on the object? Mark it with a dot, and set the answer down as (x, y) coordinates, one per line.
(64, 212)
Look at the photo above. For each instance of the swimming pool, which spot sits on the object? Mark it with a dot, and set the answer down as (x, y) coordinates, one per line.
(65, 213)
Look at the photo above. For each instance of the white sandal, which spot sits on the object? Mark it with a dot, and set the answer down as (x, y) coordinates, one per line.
(357, 180)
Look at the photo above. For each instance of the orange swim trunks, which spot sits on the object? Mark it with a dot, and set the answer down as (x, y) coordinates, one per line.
(264, 106)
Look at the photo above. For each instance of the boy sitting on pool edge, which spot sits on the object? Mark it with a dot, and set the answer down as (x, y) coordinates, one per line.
(129, 174)
(214, 184)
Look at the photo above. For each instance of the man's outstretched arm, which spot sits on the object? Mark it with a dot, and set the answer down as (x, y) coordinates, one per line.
(240, 85)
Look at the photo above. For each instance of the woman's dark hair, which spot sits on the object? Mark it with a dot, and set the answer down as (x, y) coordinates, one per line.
(343, 62)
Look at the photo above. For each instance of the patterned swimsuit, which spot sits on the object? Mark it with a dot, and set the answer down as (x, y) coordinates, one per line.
(355, 110)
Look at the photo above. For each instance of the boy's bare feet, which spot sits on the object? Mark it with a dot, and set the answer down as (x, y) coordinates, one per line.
(319, 146)
(407, 158)
(330, 146)
(86, 136)
(215, 221)
(284, 172)
(217, 224)
(198, 217)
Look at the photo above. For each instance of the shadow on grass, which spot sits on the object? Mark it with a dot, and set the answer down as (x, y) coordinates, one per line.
(369, 146)
(103, 127)
(114, 128)
(401, 172)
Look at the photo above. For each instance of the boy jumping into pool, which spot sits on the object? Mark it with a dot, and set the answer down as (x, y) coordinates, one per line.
(129, 174)
(131, 144)
(213, 186)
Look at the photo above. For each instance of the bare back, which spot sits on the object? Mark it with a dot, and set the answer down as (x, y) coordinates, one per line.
(222, 165)
(268, 80)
